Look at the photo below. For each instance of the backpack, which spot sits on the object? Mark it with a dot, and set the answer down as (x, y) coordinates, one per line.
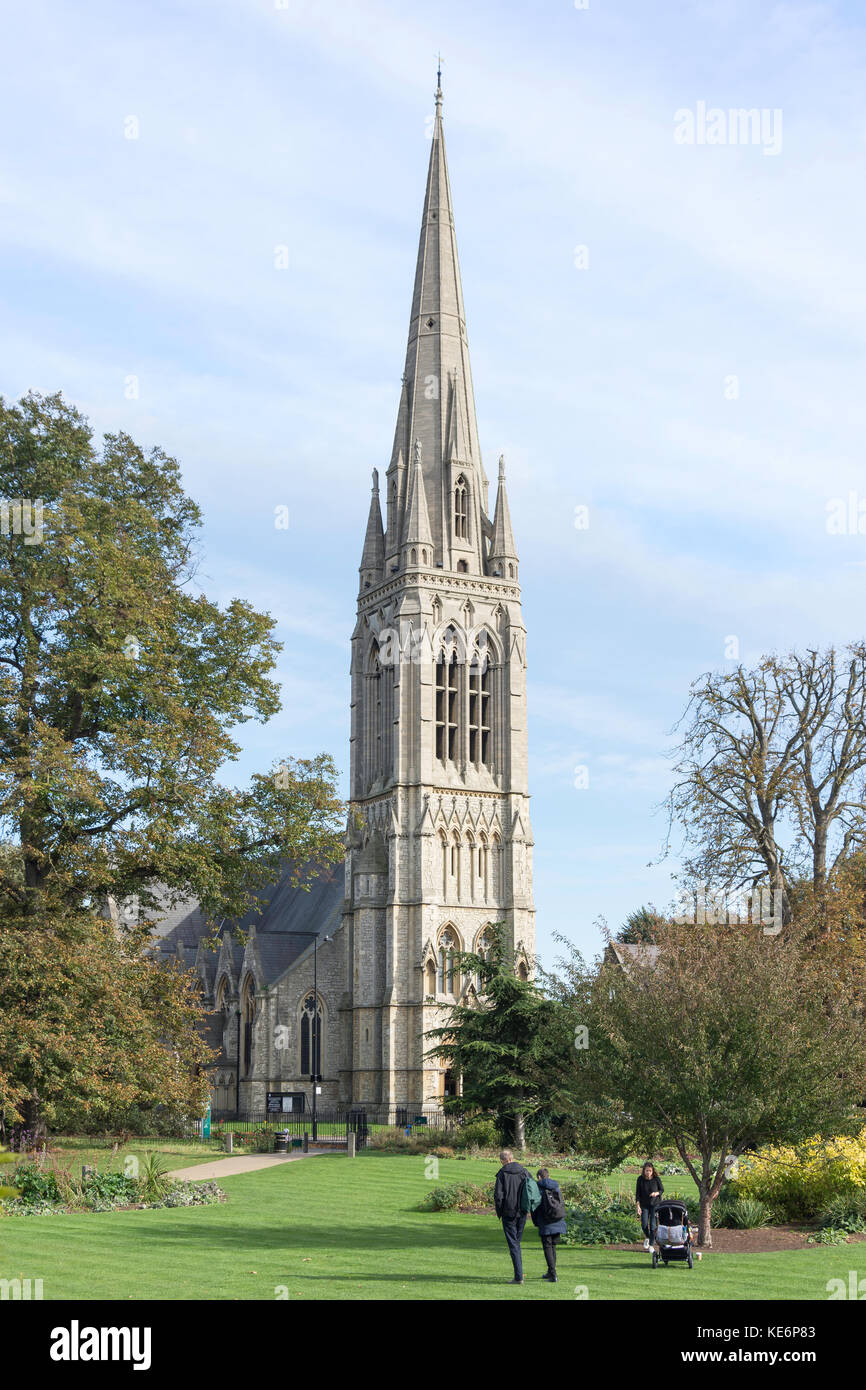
(552, 1206)
(530, 1196)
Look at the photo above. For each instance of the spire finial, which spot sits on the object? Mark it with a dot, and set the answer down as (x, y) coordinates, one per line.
(375, 480)
(502, 468)
(438, 79)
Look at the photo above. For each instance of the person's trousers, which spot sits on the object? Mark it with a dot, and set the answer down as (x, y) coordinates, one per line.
(646, 1221)
(548, 1245)
(513, 1230)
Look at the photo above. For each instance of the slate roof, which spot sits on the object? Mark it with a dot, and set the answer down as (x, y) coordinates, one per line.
(284, 928)
(630, 954)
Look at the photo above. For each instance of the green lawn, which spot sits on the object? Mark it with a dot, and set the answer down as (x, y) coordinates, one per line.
(73, 1151)
(334, 1228)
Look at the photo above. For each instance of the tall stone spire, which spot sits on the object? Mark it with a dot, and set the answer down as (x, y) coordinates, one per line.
(437, 405)
(503, 551)
(373, 555)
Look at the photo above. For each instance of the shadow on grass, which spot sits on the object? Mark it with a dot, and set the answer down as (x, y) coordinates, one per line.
(373, 1240)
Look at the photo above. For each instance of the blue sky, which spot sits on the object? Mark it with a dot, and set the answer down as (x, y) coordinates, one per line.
(306, 127)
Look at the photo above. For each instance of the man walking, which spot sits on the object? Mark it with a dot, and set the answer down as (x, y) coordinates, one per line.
(507, 1193)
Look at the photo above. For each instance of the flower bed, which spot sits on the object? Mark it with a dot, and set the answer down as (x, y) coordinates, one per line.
(52, 1190)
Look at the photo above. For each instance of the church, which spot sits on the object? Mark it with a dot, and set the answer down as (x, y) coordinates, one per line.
(342, 982)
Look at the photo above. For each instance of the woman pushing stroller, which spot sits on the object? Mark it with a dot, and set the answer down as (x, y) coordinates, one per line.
(647, 1193)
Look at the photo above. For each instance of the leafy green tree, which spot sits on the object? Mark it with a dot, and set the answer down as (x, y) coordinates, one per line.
(120, 685)
(92, 1026)
(120, 682)
(643, 926)
(725, 1040)
(500, 1041)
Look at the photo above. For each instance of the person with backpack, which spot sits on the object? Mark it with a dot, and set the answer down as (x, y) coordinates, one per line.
(549, 1220)
(515, 1195)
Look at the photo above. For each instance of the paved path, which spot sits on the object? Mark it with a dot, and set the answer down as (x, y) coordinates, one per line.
(242, 1163)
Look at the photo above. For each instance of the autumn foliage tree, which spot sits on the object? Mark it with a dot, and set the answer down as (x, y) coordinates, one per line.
(94, 1031)
(120, 686)
(720, 1038)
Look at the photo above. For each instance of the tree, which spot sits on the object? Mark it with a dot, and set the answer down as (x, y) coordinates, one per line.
(93, 1026)
(498, 1042)
(771, 771)
(724, 1039)
(119, 685)
(644, 925)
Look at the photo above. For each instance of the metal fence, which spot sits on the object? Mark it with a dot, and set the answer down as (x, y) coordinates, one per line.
(333, 1125)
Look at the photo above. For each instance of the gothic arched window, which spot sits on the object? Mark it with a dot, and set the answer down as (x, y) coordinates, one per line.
(447, 698)
(448, 977)
(460, 530)
(311, 1036)
(479, 713)
(482, 949)
(379, 714)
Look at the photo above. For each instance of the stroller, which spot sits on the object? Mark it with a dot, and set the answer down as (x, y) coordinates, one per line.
(671, 1234)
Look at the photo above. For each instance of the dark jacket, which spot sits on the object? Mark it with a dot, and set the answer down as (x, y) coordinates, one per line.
(547, 1228)
(643, 1189)
(506, 1191)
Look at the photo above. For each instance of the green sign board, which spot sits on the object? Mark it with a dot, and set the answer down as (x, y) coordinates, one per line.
(205, 1124)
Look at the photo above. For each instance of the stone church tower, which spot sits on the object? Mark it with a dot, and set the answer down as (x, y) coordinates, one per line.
(440, 843)
(344, 975)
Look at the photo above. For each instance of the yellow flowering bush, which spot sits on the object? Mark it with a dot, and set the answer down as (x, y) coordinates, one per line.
(799, 1180)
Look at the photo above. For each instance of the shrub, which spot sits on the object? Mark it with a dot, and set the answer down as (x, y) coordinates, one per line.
(477, 1134)
(389, 1137)
(176, 1194)
(847, 1212)
(457, 1196)
(829, 1236)
(35, 1184)
(611, 1227)
(745, 1213)
(153, 1180)
(800, 1181)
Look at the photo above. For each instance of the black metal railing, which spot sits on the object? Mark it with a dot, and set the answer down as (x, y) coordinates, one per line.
(333, 1124)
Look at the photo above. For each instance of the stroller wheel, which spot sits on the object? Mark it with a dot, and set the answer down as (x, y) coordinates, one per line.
(655, 1259)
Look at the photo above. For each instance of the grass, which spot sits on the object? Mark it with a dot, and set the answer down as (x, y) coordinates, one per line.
(333, 1228)
(73, 1151)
